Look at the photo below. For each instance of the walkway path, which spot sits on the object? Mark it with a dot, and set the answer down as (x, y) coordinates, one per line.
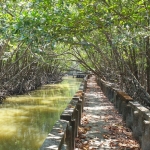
(102, 127)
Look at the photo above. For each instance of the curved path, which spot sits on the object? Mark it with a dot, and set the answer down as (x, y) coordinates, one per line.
(102, 127)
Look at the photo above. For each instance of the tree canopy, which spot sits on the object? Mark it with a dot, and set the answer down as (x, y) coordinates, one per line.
(108, 37)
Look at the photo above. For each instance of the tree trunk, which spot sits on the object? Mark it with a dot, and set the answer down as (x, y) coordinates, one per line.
(148, 63)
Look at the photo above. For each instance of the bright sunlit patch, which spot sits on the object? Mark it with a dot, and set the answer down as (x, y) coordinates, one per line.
(10, 120)
(39, 108)
(11, 112)
(7, 130)
(56, 99)
(46, 102)
(23, 99)
(57, 86)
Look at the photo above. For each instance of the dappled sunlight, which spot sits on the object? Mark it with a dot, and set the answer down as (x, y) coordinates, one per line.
(46, 102)
(39, 108)
(55, 99)
(12, 112)
(31, 100)
(95, 108)
(8, 129)
(101, 125)
(56, 86)
(11, 120)
(24, 100)
(20, 138)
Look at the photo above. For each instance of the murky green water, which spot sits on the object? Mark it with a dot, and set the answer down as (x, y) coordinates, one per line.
(26, 120)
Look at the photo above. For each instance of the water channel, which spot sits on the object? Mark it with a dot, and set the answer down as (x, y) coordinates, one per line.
(25, 120)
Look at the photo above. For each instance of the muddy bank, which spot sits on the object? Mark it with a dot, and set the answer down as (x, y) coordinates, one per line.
(24, 85)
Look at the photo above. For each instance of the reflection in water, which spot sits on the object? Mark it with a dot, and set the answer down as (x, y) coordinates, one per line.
(26, 120)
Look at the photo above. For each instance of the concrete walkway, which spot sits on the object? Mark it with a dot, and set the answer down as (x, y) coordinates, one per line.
(102, 127)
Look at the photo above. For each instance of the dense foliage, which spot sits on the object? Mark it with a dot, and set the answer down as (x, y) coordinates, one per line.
(108, 37)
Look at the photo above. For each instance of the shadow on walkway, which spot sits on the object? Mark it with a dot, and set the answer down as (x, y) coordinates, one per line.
(102, 127)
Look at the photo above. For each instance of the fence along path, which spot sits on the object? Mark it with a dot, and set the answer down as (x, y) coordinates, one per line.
(101, 126)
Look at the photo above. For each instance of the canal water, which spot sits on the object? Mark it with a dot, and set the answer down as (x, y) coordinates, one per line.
(25, 120)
